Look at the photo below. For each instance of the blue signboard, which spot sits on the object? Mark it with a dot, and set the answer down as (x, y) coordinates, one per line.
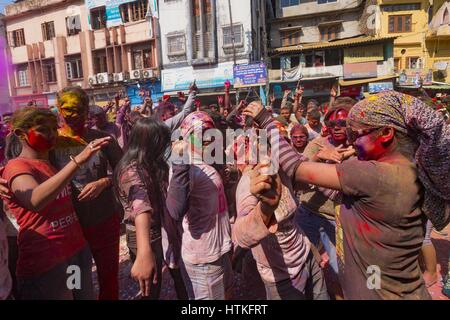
(113, 17)
(375, 87)
(250, 75)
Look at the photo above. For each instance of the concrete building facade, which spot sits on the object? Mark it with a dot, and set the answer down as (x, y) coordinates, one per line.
(323, 44)
(56, 43)
(197, 41)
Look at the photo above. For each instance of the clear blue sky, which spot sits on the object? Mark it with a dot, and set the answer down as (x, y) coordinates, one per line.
(4, 3)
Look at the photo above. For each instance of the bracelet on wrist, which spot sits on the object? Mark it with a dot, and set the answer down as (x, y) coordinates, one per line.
(75, 161)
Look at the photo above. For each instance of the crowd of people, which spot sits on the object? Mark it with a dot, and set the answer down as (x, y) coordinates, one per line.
(352, 186)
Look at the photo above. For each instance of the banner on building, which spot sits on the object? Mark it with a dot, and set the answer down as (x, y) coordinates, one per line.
(112, 10)
(416, 77)
(360, 70)
(180, 78)
(249, 75)
(375, 87)
(363, 54)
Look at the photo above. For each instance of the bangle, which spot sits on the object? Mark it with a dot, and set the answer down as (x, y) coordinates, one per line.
(75, 161)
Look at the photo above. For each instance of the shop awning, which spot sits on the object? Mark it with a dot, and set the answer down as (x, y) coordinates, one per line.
(345, 83)
(305, 79)
(331, 44)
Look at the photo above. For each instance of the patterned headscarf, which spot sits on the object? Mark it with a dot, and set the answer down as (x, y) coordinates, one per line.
(411, 116)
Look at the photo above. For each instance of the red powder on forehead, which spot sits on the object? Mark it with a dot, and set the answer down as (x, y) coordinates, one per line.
(362, 114)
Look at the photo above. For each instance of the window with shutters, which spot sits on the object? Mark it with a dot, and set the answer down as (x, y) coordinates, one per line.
(329, 33)
(397, 66)
(142, 58)
(203, 29)
(74, 68)
(228, 34)
(48, 30)
(133, 11)
(400, 23)
(22, 76)
(16, 38)
(49, 71)
(290, 38)
(100, 62)
(98, 18)
(73, 25)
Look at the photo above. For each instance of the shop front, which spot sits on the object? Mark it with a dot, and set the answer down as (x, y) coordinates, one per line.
(39, 100)
(137, 92)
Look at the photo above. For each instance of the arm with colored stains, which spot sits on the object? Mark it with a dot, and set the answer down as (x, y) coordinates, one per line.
(174, 122)
(35, 196)
(123, 110)
(93, 189)
(178, 193)
(292, 163)
(250, 228)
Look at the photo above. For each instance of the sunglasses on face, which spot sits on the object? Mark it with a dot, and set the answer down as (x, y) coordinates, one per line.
(353, 135)
(337, 123)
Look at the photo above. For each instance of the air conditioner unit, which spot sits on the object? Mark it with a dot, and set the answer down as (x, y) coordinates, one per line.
(147, 73)
(102, 78)
(92, 80)
(118, 77)
(135, 74)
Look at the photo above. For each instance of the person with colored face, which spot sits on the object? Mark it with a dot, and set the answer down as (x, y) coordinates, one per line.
(388, 193)
(299, 137)
(93, 198)
(50, 237)
(266, 224)
(196, 199)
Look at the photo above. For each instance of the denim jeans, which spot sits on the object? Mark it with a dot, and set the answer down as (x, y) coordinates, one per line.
(53, 284)
(318, 228)
(210, 281)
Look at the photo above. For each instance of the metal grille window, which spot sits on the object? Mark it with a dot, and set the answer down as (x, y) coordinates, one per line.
(22, 76)
(74, 68)
(134, 11)
(400, 23)
(400, 7)
(98, 18)
(289, 3)
(176, 45)
(49, 71)
(228, 36)
(16, 38)
(48, 30)
(73, 25)
(325, 1)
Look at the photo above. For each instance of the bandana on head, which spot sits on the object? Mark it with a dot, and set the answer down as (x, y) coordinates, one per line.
(411, 116)
(198, 119)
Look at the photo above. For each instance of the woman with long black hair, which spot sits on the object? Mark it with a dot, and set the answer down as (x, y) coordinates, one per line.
(140, 181)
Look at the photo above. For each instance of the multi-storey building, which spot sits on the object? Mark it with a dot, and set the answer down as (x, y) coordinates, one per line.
(325, 43)
(438, 41)
(408, 21)
(5, 103)
(103, 46)
(197, 41)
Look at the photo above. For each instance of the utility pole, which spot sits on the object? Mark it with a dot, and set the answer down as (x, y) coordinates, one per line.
(234, 47)
(233, 40)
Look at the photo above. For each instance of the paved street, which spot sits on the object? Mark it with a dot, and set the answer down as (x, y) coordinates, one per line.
(252, 289)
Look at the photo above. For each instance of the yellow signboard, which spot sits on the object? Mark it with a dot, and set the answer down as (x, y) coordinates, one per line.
(364, 54)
